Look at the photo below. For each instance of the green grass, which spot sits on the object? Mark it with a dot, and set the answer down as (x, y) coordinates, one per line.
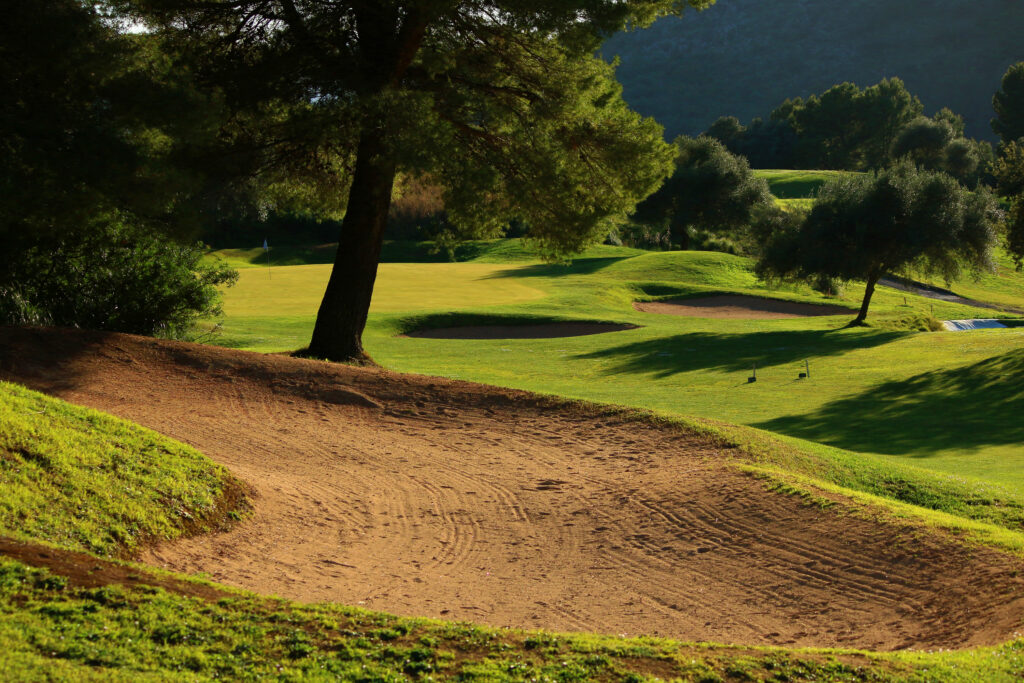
(794, 204)
(787, 184)
(50, 630)
(1005, 286)
(81, 479)
(683, 366)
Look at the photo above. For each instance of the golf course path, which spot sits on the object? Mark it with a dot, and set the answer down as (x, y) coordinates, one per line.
(423, 496)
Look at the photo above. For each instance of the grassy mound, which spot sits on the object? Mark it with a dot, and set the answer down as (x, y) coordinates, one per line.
(60, 629)
(796, 184)
(85, 480)
(479, 251)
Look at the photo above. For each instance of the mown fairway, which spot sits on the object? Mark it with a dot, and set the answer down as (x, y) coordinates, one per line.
(944, 401)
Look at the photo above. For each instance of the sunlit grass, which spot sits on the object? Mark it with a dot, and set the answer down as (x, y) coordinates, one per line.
(683, 366)
(82, 479)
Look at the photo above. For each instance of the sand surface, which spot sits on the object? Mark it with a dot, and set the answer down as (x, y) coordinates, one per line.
(738, 306)
(422, 496)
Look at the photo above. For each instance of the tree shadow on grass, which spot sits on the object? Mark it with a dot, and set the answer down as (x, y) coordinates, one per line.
(968, 407)
(582, 266)
(668, 356)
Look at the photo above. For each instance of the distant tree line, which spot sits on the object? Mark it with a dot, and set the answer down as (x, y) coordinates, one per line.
(924, 206)
(849, 128)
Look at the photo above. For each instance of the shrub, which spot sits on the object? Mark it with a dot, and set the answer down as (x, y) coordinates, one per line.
(711, 190)
(110, 276)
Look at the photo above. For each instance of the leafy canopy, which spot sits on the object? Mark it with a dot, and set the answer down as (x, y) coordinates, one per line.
(1008, 103)
(902, 220)
(101, 173)
(937, 144)
(711, 189)
(501, 102)
(845, 128)
(849, 128)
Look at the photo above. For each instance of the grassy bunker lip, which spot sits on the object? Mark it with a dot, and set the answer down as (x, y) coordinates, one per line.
(739, 306)
(535, 330)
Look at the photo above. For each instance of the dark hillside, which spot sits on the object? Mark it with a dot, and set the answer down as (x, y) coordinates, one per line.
(743, 57)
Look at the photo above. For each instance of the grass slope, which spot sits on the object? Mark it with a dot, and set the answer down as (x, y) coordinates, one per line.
(792, 184)
(480, 251)
(743, 57)
(50, 628)
(85, 480)
(73, 617)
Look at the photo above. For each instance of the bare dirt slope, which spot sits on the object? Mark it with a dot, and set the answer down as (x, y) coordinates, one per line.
(422, 496)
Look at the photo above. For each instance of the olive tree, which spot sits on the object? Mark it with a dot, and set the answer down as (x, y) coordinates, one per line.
(900, 220)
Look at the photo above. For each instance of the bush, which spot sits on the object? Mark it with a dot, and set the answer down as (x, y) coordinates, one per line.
(644, 236)
(711, 190)
(110, 277)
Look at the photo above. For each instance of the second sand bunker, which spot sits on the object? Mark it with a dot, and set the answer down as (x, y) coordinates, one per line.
(739, 306)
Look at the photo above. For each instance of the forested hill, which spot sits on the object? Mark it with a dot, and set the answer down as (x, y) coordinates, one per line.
(743, 57)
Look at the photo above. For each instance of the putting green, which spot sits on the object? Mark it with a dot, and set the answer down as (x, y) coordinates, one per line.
(297, 290)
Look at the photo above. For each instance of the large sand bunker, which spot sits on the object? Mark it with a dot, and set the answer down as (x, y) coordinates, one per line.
(739, 306)
(423, 496)
(535, 331)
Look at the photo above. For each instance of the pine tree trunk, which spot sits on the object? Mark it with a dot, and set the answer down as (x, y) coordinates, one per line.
(868, 291)
(338, 334)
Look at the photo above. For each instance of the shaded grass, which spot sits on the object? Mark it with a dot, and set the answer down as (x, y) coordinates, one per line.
(797, 184)
(85, 480)
(972, 406)
(479, 251)
(737, 352)
(53, 629)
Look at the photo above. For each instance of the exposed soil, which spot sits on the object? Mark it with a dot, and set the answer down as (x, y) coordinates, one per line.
(423, 496)
(86, 571)
(739, 306)
(541, 331)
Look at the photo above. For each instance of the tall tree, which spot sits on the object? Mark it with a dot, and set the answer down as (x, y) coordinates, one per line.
(1008, 103)
(901, 220)
(849, 128)
(500, 101)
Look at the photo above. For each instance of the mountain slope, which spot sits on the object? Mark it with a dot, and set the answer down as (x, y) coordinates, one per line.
(744, 57)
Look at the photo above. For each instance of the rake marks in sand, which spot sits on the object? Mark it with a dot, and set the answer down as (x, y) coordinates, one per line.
(466, 502)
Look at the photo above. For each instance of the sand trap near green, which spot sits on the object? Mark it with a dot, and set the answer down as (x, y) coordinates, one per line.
(739, 306)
